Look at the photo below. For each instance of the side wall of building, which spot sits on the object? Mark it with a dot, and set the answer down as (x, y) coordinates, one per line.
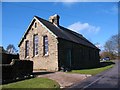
(49, 62)
(81, 56)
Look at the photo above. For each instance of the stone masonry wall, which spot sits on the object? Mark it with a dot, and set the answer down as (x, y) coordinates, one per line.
(50, 62)
(81, 56)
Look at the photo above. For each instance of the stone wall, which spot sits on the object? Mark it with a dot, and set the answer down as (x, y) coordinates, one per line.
(49, 62)
(58, 53)
(81, 56)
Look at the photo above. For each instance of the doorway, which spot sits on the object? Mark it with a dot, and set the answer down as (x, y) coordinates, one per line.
(69, 58)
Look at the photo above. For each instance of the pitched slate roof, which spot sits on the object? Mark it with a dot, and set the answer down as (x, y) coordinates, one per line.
(64, 33)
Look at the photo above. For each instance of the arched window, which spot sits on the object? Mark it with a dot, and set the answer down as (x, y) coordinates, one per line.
(45, 45)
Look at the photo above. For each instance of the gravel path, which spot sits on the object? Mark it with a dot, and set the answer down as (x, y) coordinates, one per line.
(65, 79)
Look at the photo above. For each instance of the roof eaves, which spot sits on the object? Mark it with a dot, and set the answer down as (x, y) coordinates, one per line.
(77, 43)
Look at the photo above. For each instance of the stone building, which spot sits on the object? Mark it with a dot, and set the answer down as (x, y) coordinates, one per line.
(52, 47)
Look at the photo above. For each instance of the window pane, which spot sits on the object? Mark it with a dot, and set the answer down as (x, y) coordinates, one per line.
(27, 49)
(35, 44)
(45, 45)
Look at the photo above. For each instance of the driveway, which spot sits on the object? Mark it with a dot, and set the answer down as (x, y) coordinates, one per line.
(106, 80)
(65, 79)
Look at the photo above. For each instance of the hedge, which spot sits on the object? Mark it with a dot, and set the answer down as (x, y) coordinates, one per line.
(16, 69)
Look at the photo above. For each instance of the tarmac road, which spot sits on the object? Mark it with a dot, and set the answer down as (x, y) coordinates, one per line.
(106, 80)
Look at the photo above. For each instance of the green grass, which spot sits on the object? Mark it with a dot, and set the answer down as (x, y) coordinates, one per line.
(33, 83)
(92, 71)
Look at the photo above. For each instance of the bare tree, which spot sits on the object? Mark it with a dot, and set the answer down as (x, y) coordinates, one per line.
(11, 49)
(112, 45)
(107, 54)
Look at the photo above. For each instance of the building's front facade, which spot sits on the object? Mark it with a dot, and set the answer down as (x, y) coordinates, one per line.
(51, 47)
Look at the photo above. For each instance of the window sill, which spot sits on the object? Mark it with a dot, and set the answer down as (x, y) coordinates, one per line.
(27, 57)
(35, 55)
(46, 55)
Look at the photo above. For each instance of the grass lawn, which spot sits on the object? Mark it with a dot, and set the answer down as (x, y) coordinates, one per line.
(33, 83)
(92, 71)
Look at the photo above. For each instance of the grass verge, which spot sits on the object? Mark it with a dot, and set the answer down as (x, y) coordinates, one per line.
(33, 83)
(92, 71)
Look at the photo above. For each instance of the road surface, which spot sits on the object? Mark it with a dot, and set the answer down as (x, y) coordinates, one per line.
(106, 80)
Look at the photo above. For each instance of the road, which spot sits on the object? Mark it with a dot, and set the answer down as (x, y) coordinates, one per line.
(106, 80)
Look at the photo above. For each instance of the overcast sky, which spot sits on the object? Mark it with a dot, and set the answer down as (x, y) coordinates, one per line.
(95, 21)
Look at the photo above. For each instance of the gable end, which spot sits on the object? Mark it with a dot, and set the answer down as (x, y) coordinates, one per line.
(29, 27)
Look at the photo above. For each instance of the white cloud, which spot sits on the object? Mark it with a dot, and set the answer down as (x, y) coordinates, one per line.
(112, 10)
(59, 0)
(83, 27)
(67, 1)
(86, 0)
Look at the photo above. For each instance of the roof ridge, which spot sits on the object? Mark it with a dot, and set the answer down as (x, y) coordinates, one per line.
(61, 28)
(42, 19)
(65, 33)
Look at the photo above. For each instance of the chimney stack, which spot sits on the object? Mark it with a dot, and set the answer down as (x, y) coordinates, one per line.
(54, 19)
